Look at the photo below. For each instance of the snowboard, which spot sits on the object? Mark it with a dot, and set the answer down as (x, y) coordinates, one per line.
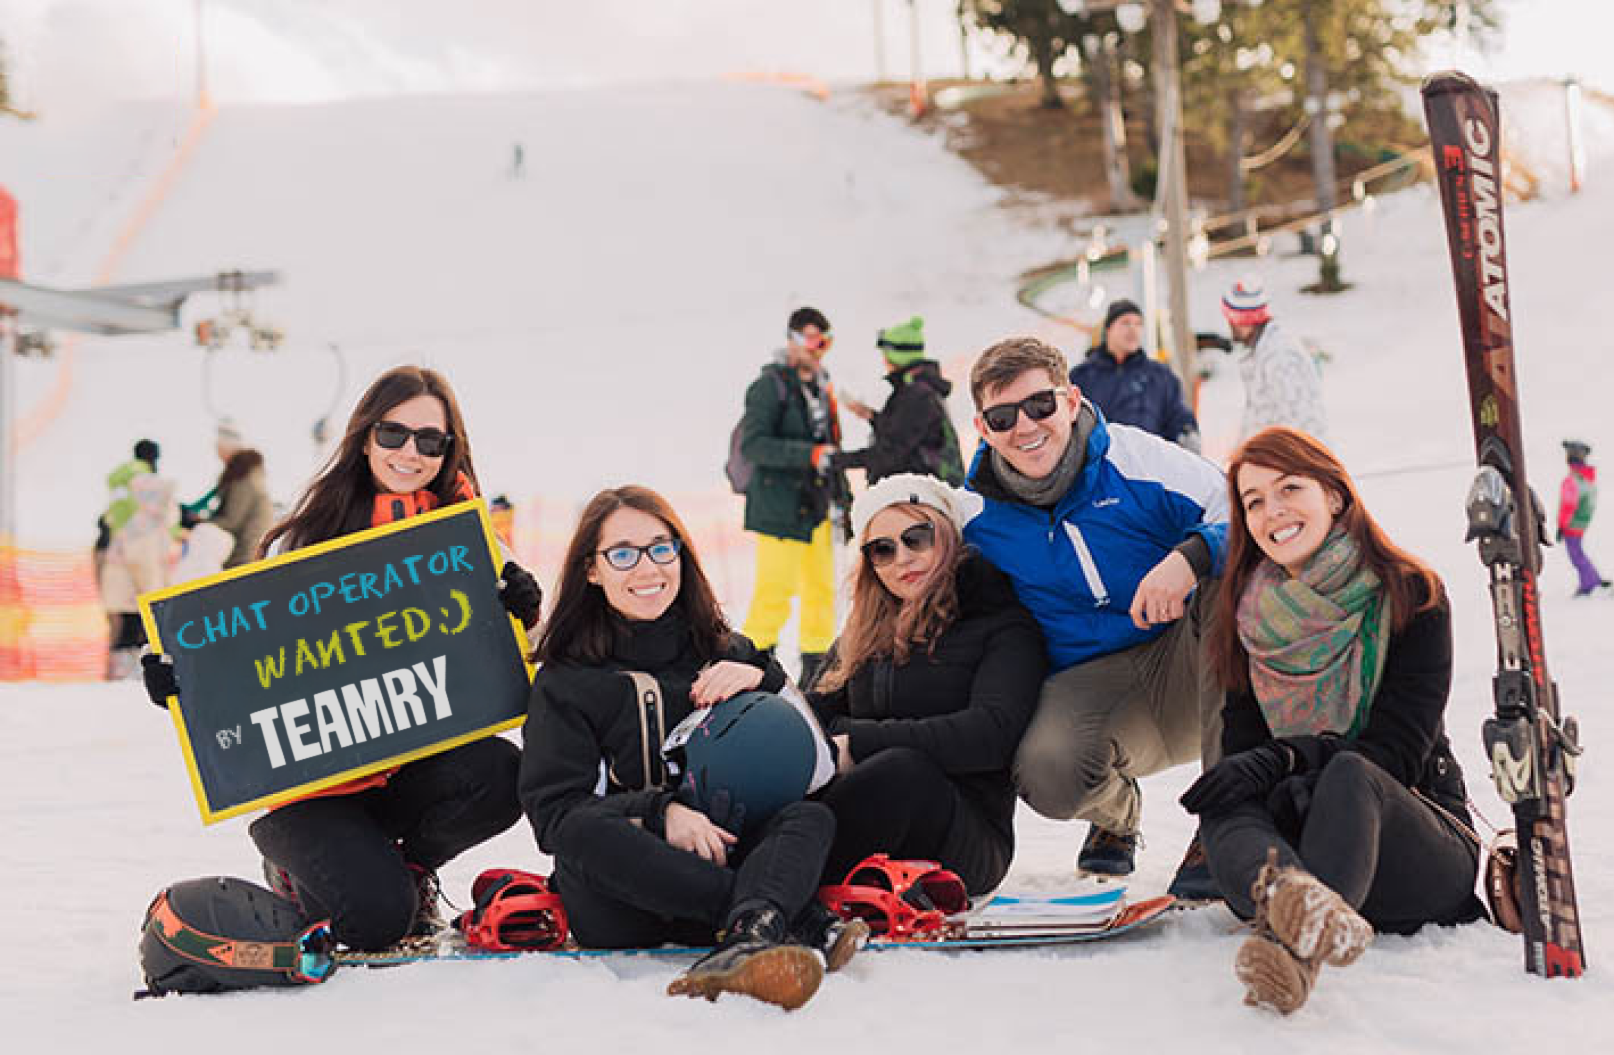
(1002, 922)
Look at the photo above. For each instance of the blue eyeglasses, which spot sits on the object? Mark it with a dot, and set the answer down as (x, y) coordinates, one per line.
(624, 557)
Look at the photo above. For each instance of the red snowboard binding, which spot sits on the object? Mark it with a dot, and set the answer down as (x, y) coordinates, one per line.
(513, 911)
(899, 900)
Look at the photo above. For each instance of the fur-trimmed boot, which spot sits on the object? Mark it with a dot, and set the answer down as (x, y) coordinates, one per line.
(1300, 924)
(753, 958)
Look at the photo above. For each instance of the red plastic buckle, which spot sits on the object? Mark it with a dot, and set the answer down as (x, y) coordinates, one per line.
(899, 900)
(513, 911)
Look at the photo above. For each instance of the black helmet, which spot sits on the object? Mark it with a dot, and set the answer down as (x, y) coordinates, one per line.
(216, 934)
(749, 757)
(147, 451)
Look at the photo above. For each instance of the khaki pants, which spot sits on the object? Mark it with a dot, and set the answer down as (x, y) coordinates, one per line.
(1102, 724)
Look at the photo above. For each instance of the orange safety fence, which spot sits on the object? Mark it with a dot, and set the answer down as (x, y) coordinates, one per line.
(52, 627)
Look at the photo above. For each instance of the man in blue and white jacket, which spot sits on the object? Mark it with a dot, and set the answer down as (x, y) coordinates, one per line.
(1112, 537)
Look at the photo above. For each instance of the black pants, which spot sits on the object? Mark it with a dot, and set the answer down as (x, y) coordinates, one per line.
(1379, 846)
(899, 802)
(631, 888)
(348, 855)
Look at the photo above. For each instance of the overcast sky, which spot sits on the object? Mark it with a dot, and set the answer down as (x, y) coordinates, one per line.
(66, 53)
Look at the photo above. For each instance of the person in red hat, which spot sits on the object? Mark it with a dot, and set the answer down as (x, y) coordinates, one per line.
(1282, 385)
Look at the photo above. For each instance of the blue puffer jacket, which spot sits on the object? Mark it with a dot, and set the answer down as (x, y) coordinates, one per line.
(1138, 391)
(1077, 566)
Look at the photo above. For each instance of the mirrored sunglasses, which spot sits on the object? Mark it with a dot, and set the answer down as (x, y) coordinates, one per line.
(626, 558)
(429, 442)
(1037, 406)
(916, 538)
(813, 341)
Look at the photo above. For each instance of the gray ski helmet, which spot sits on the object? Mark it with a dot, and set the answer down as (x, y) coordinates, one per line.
(216, 934)
(1578, 450)
(751, 756)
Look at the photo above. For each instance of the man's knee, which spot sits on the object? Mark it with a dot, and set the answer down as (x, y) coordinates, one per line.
(1057, 778)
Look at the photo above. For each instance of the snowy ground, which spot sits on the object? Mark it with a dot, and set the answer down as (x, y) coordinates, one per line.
(599, 319)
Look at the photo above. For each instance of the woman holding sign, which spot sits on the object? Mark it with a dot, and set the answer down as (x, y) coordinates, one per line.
(365, 854)
(637, 864)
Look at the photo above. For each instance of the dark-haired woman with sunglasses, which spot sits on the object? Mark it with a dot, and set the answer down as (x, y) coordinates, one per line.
(926, 692)
(633, 865)
(365, 854)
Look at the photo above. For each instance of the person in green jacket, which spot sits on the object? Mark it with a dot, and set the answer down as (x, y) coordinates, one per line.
(790, 428)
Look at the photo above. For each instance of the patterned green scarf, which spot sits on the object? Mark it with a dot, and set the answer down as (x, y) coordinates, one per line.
(1316, 641)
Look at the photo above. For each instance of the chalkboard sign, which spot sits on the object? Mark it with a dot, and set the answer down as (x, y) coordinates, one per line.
(346, 658)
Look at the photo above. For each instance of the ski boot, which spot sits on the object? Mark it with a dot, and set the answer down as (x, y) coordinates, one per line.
(836, 940)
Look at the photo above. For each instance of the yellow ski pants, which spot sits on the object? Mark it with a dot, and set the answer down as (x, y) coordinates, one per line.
(785, 569)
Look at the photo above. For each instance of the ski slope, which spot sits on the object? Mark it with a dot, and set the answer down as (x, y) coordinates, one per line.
(599, 319)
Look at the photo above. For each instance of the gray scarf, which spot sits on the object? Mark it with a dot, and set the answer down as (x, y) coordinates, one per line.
(1046, 492)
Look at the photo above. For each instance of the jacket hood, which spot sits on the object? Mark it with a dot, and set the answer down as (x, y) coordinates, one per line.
(924, 372)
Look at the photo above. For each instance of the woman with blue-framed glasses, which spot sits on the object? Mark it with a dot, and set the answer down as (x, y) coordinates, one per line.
(635, 644)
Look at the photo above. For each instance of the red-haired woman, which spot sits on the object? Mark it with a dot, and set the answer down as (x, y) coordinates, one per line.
(633, 865)
(927, 692)
(1335, 810)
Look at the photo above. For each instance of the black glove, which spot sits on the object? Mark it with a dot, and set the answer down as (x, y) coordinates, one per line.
(1246, 775)
(520, 593)
(158, 674)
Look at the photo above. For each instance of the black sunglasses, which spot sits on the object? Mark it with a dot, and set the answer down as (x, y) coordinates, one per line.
(626, 557)
(917, 538)
(430, 442)
(1038, 405)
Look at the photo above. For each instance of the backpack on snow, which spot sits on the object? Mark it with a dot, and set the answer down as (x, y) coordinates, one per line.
(739, 469)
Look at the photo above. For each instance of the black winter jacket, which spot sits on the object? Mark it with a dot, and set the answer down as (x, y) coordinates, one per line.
(965, 704)
(580, 717)
(1405, 734)
(1139, 391)
(913, 432)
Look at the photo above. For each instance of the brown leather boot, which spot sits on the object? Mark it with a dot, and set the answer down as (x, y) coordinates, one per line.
(753, 960)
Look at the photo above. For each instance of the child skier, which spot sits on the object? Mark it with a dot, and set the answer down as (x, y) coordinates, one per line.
(1577, 500)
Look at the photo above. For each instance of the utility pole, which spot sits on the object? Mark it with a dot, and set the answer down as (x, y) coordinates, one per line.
(1172, 188)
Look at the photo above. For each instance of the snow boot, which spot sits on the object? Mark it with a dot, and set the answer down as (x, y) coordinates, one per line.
(428, 917)
(1300, 924)
(752, 959)
(1307, 916)
(1272, 975)
(1107, 853)
(1193, 881)
(837, 940)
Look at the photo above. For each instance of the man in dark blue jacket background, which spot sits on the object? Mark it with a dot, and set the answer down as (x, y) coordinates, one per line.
(1128, 386)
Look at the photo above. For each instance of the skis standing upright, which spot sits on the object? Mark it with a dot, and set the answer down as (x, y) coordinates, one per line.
(1532, 750)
